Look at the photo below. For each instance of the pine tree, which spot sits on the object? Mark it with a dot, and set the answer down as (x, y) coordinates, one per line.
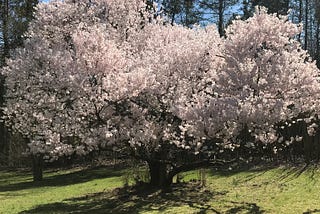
(14, 18)
(217, 8)
(183, 12)
(274, 6)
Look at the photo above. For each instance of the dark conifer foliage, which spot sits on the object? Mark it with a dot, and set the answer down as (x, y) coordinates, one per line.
(14, 18)
(274, 6)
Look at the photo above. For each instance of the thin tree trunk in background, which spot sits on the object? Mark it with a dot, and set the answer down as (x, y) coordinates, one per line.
(317, 57)
(306, 25)
(4, 143)
(300, 17)
(172, 19)
(5, 28)
(221, 18)
(318, 45)
(187, 6)
(4, 9)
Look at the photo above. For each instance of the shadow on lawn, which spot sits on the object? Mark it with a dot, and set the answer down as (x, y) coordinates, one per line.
(288, 172)
(312, 211)
(143, 198)
(66, 179)
(250, 208)
(256, 169)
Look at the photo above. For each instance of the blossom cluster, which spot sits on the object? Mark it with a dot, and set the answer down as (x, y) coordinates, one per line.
(109, 73)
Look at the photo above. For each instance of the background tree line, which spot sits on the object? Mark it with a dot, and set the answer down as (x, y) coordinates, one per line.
(222, 12)
(15, 15)
(14, 18)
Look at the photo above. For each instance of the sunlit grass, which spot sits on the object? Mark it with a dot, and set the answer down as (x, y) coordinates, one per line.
(280, 190)
(18, 192)
(100, 190)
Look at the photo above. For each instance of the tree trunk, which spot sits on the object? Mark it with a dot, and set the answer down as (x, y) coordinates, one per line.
(4, 138)
(5, 29)
(306, 25)
(37, 167)
(4, 135)
(300, 17)
(221, 18)
(4, 18)
(307, 144)
(317, 147)
(159, 175)
(318, 43)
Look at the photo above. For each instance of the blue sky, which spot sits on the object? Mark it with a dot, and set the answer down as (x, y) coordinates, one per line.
(234, 9)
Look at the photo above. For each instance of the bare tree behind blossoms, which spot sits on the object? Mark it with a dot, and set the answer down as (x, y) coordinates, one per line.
(113, 75)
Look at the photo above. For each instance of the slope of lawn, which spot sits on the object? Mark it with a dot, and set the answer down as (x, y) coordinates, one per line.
(100, 190)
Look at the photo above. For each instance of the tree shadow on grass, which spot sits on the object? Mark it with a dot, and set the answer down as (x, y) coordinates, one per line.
(250, 208)
(291, 173)
(312, 211)
(6, 174)
(256, 169)
(288, 172)
(253, 173)
(65, 179)
(130, 200)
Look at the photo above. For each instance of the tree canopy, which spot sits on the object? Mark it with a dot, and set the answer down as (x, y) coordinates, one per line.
(112, 74)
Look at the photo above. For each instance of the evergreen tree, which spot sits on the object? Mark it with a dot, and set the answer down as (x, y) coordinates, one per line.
(217, 8)
(183, 12)
(14, 18)
(274, 6)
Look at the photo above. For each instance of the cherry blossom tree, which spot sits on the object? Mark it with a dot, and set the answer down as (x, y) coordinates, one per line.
(178, 58)
(76, 62)
(112, 75)
(269, 75)
(265, 82)
(106, 72)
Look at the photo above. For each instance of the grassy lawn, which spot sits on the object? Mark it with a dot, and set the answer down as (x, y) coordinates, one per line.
(100, 190)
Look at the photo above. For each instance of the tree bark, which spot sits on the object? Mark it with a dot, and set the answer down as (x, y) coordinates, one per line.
(4, 16)
(307, 144)
(306, 25)
(300, 16)
(318, 43)
(159, 174)
(37, 167)
(5, 29)
(221, 17)
(4, 141)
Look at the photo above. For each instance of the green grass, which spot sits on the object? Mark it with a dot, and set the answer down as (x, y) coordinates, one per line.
(18, 192)
(100, 190)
